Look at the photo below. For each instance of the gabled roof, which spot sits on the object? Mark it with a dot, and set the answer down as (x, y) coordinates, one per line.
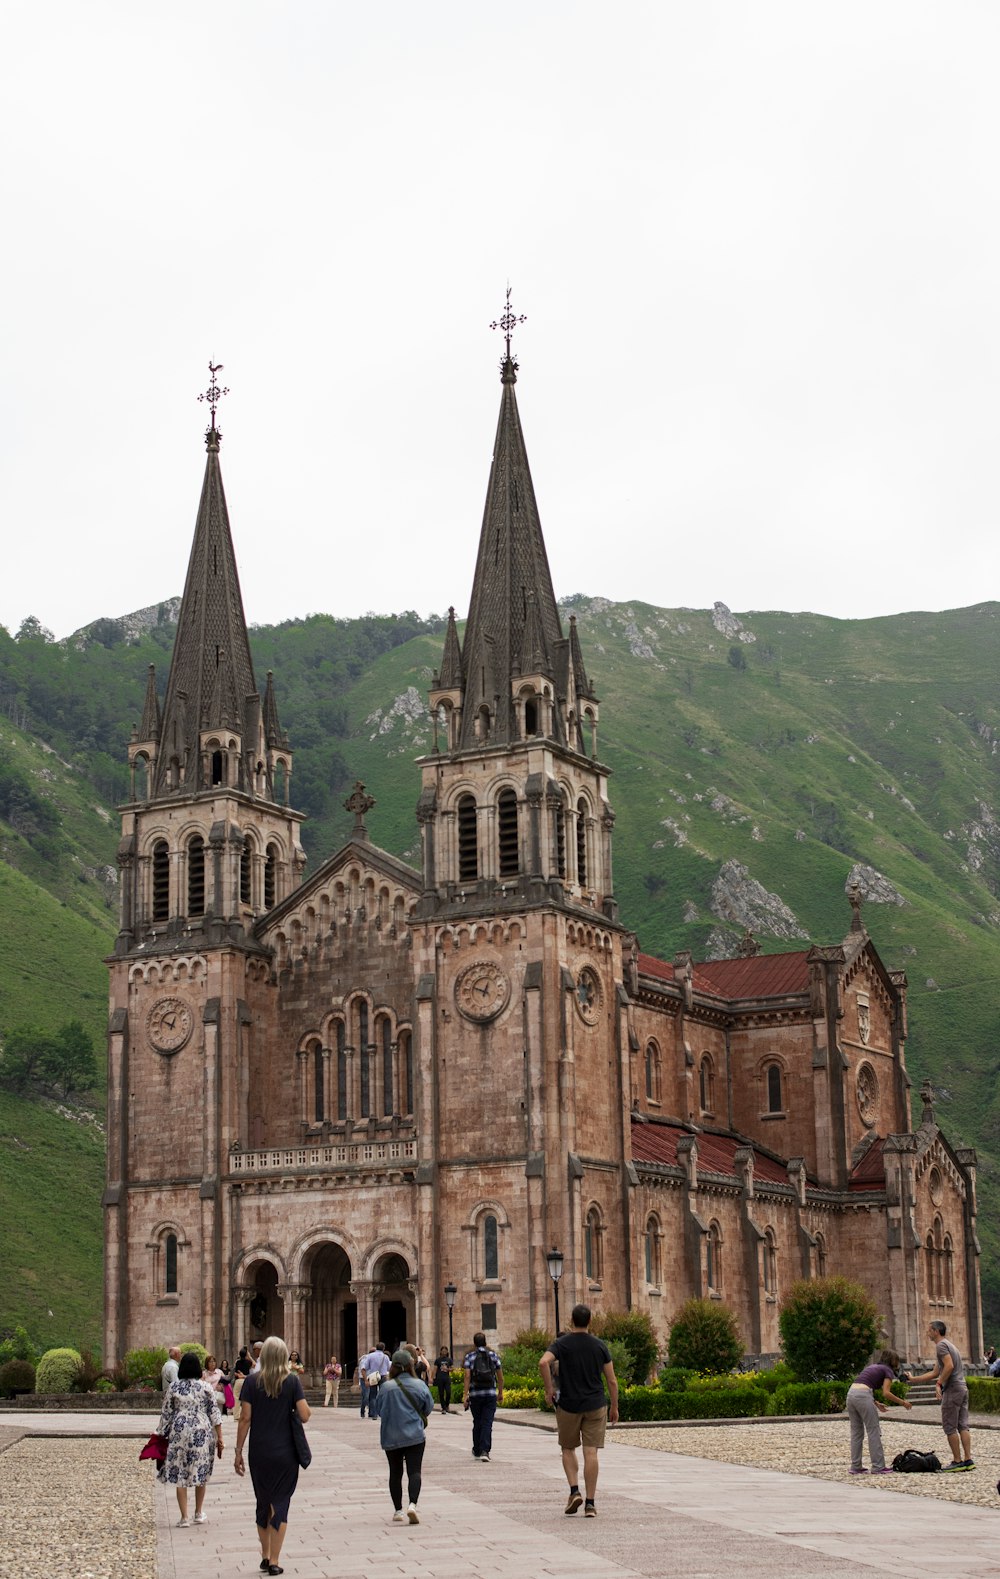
(366, 854)
(870, 1171)
(760, 976)
(657, 1143)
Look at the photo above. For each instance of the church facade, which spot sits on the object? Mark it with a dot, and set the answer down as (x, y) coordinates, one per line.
(333, 1096)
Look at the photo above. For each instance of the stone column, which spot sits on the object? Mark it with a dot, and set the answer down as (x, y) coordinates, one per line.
(294, 1296)
(239, 1304)
(361, 1289)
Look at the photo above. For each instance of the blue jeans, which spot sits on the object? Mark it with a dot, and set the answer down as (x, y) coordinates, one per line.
(364, 1394)
(483, 1407)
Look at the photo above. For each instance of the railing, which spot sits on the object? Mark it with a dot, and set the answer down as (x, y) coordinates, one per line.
(346, 1154)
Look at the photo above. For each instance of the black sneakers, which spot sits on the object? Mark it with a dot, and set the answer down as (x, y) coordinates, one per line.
(575, 1500)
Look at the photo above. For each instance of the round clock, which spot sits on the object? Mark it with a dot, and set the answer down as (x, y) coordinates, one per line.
(482, 990)
(588, 995)
(169, 1023)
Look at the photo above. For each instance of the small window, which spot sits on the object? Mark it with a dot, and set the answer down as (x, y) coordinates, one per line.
(270, 868)
(770, 1252)
(218, 768)
(363, 1054)
(468, 848)
(245, 873)
(774, 1092)
(161, 880)
(530, 717)
(593, 1248)
(560, 824)
(491, 1253)
(387, 1080)
(713, 1258)
(406, 1048)
(488, 1318)
(652, 1073)
(483, 723)
(652, 1251)
(319, 1107)
(705, 1074)
(170, 1264)
(581, 843)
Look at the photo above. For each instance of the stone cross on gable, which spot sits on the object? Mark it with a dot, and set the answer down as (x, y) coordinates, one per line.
(855, 896)
(360, 804)
(747, 947)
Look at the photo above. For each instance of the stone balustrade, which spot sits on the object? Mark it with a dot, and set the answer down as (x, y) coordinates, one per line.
(339, 1154)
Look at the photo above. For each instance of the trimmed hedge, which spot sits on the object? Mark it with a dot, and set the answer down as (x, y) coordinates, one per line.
(809, 1398)
(16, 1376)
(984, 1394)
(652, 1403)
(57, 1371)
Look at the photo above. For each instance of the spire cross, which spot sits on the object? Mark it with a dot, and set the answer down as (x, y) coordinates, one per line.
(508, 321)
(213, 394)
(359, 803)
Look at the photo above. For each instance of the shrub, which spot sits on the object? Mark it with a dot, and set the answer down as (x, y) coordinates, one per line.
(704, 1337)
(984, 1394)
(520, 1361)
(18, 1347)
(652, 1403)
(90, 1370)
(829, 1326)
(779, 1376)
(633, 1328)
(16, 1376)
(57, 1371)
(522, 1398)
(809, 1398)
(195, 1348)
(674, 1378)
(145, 1365)
(105, 1384)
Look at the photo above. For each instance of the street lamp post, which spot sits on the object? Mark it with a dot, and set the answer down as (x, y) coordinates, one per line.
(450, 1291)
(554, 1260)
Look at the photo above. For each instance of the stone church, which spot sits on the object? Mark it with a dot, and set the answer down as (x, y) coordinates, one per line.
(331, 1096)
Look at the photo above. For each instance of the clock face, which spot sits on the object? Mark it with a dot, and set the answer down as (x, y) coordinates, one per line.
(169, 1023)
(588, 995)
(482, 990)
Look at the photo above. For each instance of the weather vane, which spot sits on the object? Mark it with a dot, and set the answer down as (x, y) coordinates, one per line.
(213, 394)
(508, 322)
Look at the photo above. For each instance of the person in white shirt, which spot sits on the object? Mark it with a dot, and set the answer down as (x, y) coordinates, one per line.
(171, 1366)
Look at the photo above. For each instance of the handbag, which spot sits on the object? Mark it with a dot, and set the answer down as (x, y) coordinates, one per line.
(156, 1448)
(303, 1452)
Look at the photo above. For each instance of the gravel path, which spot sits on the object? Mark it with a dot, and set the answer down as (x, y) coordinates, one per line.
(76, 1509)
(822, 1448)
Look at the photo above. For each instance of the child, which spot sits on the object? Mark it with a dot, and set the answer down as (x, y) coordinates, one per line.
(864, 1407)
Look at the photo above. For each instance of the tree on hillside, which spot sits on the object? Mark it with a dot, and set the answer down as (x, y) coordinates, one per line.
(25, 1052)
(35, 1057)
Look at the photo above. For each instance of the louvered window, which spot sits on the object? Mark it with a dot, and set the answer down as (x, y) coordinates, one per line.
(245, 871)
(507, 825)
(468, 854)
(161, 881)
(561, 840)
(270, 865)
(581, 843)
(196, 876)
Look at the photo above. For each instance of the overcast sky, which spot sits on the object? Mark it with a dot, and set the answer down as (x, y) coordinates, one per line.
(758, 247)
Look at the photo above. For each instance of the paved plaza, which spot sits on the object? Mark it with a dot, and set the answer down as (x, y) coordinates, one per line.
(82, 1506)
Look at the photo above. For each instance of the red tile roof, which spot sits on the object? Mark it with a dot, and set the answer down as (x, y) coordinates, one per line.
(650, 966)
(763, 976)
(870, 1171)
(658, 1143)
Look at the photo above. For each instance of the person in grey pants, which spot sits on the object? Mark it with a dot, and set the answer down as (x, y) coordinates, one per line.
(864, 1405)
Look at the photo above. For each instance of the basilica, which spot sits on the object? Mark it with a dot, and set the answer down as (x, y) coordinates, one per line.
(339, 1102)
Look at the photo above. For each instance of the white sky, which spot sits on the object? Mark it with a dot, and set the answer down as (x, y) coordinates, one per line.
(758, 245)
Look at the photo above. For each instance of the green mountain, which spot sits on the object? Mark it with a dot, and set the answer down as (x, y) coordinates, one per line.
(759, 762)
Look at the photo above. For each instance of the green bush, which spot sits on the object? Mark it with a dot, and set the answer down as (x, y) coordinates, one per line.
(18, 1347)
(145, 1365)
(16, 1376)
(652, 1403)
(634, 1329)
(704, 1337)
(984, 1394)
(519, 1360)
(674, 1378)
(57, 1371)
(522, 1398)
(726, 1383)
(195, 1348)
(809, 1398)
(829, 1327)
(104, 1384)
(779, 1376)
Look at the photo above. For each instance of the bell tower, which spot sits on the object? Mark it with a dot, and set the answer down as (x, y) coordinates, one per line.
(514, 798)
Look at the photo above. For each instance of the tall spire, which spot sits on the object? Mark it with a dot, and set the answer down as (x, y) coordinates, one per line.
(512, 570)
(450, 675)
(149, 729)
(211, 680)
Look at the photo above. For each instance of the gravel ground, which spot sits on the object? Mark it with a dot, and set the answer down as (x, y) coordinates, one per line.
(822, 1448)
(74, 1509)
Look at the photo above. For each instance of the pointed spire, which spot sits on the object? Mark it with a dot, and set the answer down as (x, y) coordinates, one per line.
(533, 657)
(211, 672)
(273, 735)
(450, 677)
(149, 729)
(583, 685)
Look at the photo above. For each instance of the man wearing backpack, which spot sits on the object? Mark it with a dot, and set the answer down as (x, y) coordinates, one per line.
(953, 1391)
(482, 1391)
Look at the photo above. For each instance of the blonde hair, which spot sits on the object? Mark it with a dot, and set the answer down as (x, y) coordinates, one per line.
(273, 1365)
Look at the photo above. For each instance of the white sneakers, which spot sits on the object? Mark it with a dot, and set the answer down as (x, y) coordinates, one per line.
(412, 1514)
(398, 1517)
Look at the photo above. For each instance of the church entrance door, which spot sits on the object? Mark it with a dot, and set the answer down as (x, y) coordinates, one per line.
(331, 1315)
(396, 1316)
(392, 1324)
(266, 1313)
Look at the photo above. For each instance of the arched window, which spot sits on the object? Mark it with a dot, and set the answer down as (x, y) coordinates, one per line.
(651, 1248)
(949, 1270)
(581, 842)
(713, 1258)
(341, 1070)
(931, 1268)
(406, 1061)
(820, 1256)
(468, 844)
(770, 1250)
(560, 829)
(775, 1103)
(281, 782)
(491, 1248)
(593, 1248)
(246, 869)
(483, 723)
(705, 1084)
(270, 875)
(507, 830)
(196, 876)
(218, 768)
(161, 880)
(142, 778)
(319, 1106)
(652, 1073)
(364, 1055)
(170, 1264)
(387, 1080)
(530, 716)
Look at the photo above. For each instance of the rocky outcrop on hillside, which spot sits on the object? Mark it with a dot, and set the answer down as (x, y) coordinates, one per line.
(874, 888)
(729, 625)
(737, 898)
(982, 849)
(127, 628)
(407, 713)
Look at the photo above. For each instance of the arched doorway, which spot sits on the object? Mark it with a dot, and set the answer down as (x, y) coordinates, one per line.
(266, 1311)
(331, 1318)
(395, 1310)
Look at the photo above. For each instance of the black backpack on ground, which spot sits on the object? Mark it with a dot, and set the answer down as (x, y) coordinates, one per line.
(481, 1372)
(913, 1462)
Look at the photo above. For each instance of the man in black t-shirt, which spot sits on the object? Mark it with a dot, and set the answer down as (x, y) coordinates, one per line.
(585, 1365)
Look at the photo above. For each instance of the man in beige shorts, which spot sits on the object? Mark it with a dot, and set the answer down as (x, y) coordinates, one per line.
(953, 1392)
(582, 1410)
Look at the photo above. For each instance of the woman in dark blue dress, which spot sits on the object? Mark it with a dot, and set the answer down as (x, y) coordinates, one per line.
(266, 1403)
